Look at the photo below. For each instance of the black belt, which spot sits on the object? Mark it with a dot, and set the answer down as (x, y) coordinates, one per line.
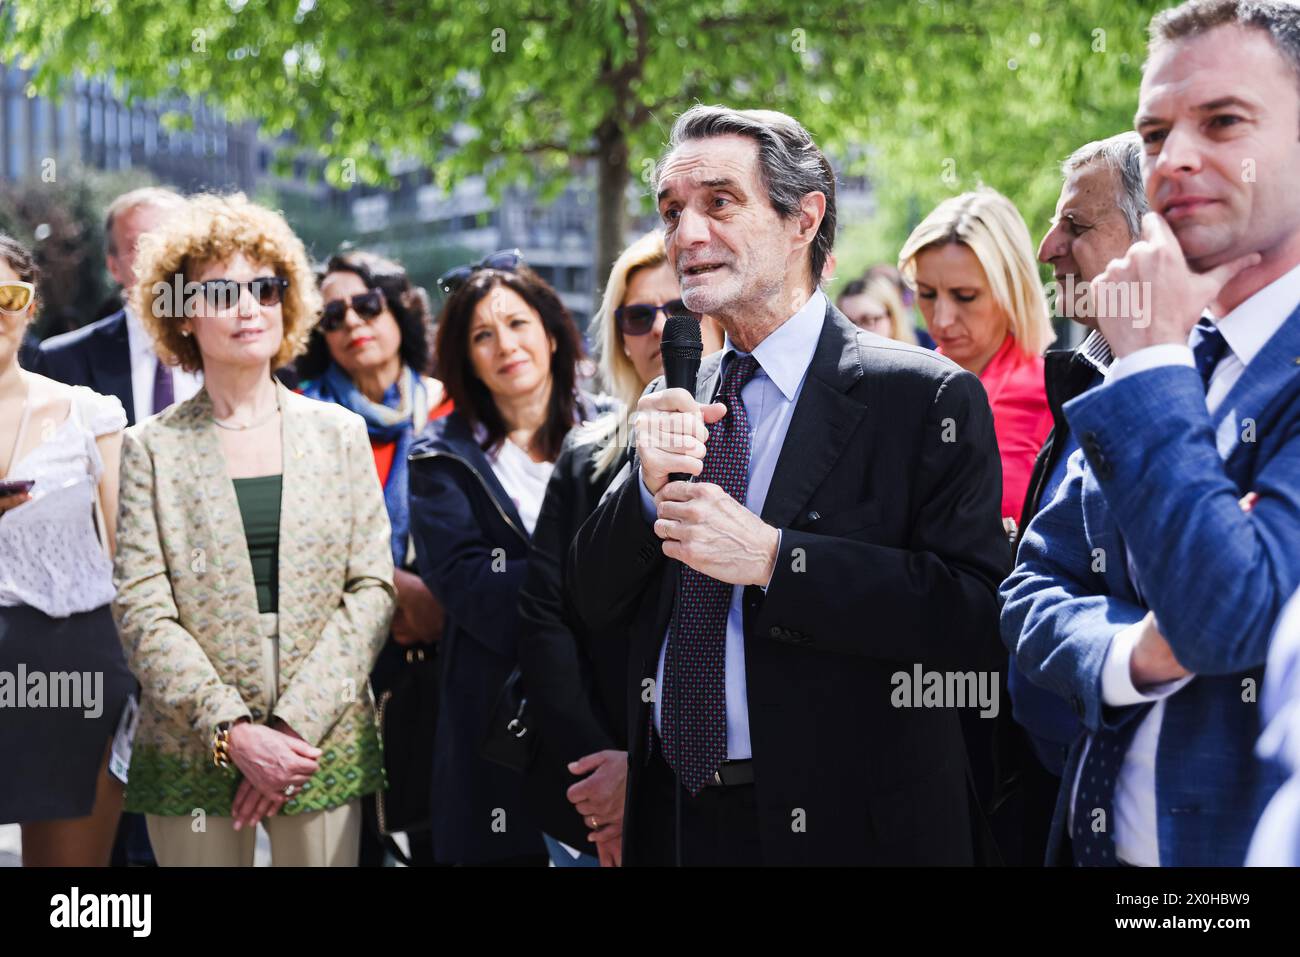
(732, 773)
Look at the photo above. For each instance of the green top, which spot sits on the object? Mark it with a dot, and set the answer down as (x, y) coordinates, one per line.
(259, 507)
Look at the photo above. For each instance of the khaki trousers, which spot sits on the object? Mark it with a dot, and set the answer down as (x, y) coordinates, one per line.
(329, 838)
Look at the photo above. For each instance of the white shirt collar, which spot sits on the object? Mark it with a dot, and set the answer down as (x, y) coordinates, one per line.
(787, 351)
(137, 336)
(1248, 327)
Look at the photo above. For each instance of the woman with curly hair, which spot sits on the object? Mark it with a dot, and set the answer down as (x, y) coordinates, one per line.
(254, 569)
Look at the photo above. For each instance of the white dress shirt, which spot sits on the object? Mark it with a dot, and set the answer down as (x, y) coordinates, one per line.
(523, 479)
(143, 363)
(1246, 329)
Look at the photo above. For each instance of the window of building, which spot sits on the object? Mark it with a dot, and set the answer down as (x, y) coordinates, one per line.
(15, 127)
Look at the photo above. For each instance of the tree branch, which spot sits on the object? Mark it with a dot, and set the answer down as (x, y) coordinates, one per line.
(842, 28)
(622, 78)
(536, 149)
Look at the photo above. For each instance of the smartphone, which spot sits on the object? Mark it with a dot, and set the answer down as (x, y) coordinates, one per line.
(17, 487)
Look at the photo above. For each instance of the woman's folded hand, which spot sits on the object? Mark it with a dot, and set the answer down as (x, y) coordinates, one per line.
(272, 760)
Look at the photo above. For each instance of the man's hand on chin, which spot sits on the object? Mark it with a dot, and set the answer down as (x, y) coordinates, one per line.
(705, 528)
(1150, 296)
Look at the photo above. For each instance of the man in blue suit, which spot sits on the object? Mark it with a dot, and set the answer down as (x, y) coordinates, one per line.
(1098, 216)
(1145, 592)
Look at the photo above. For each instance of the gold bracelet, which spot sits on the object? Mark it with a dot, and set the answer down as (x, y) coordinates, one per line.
(221, 745)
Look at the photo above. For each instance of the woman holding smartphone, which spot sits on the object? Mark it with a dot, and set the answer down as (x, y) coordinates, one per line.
(59, 449)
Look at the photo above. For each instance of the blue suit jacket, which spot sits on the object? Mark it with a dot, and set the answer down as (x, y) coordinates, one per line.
(1150, 476)
(97, 356)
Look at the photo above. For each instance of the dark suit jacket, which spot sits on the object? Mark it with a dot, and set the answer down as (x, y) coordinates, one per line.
(1067, 373)
(576, 679)
(97, 355)
(887, 492)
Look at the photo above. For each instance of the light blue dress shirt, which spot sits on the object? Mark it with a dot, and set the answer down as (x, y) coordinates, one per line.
(770, 398)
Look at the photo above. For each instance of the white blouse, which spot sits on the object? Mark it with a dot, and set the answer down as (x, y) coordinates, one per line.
(523, 479)
(51, 558)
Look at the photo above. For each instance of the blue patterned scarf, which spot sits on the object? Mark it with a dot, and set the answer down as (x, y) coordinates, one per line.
(399, 417)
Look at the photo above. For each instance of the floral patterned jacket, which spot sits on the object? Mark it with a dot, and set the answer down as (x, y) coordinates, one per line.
(186, 605)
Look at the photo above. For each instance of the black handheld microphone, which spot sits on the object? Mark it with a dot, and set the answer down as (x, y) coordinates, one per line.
(681, 348)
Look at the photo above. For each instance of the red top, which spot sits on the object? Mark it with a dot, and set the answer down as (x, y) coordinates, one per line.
(1021, 418)
(383, 451)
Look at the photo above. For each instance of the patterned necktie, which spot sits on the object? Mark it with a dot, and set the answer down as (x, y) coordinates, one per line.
(1093, 834)
(163, 392)
(695, 665)
(1210, 348)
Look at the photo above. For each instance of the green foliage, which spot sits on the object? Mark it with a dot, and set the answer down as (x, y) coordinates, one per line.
(920, 92)
(61, 220)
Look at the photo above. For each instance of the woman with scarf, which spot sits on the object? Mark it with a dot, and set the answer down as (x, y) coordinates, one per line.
(368, 353)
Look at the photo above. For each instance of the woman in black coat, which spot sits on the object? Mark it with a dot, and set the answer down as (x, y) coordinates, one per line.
(576, 681)
(506, 353)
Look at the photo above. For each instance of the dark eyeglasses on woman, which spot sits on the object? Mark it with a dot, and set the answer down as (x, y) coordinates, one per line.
(367, 305)
(638, 318)
(221, 294)
(506, 259)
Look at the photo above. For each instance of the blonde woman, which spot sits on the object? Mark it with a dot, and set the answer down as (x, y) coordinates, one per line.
(971, 262)
(873, 303)
(254, 568)
(576, 679)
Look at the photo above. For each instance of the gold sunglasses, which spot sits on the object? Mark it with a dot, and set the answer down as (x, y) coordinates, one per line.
(16, 296)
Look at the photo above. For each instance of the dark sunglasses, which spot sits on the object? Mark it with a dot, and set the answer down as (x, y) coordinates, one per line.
(639, 318)
(453, 279)
(367, 305)
(224, 293)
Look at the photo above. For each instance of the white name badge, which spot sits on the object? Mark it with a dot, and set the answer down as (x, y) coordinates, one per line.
(119, 759)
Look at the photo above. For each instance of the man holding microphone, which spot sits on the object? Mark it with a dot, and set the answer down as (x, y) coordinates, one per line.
(842, 526)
